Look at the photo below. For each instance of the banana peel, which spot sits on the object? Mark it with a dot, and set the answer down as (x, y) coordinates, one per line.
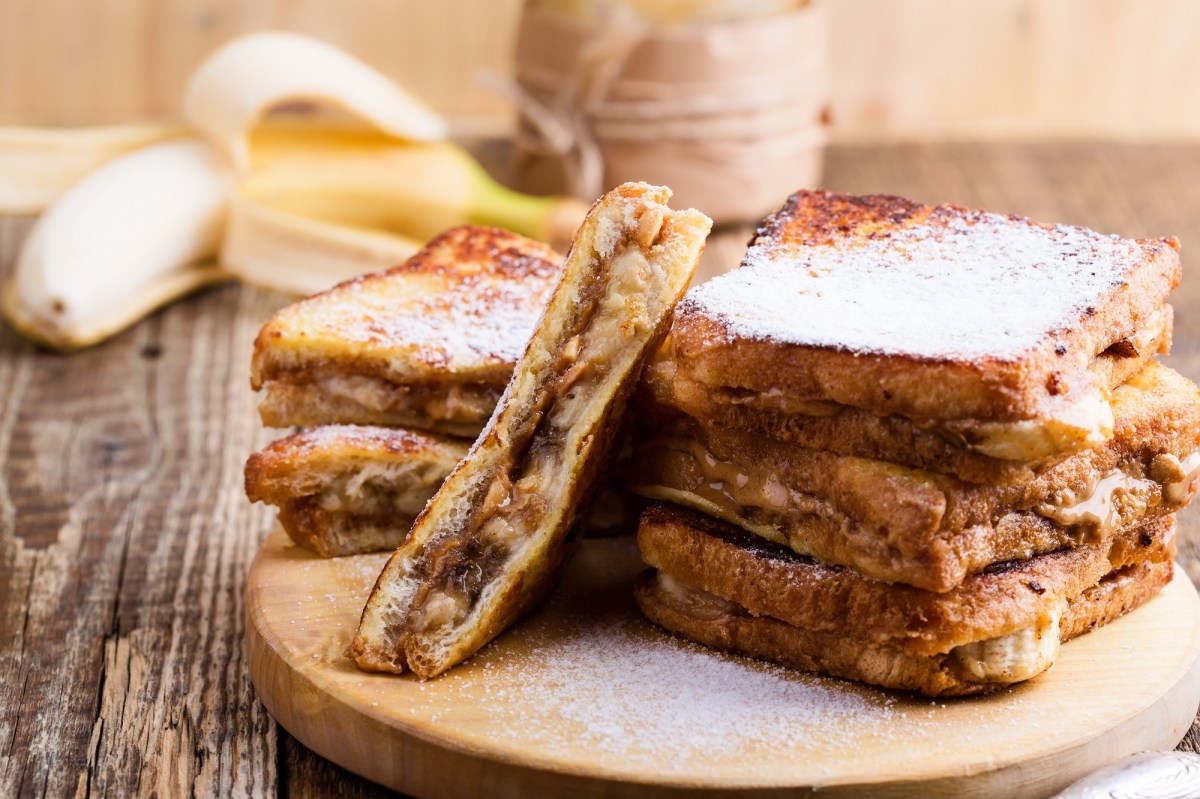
(239, 83)
(38, 165)
(294, 207)
(284, 252)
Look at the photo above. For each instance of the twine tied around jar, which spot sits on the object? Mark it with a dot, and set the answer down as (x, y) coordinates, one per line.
(558, 127)
(724, 112)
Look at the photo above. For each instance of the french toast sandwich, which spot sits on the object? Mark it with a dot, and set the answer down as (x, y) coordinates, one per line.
(428, 344)
(491, 542)
(899, 439)
(346, 489)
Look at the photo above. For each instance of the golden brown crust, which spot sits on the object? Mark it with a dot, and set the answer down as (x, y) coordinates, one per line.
(771, 580)
(924, 529)
(715, 351)
(457, 313)
(841, 655)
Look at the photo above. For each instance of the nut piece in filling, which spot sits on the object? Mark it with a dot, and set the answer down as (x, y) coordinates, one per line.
(490, 543)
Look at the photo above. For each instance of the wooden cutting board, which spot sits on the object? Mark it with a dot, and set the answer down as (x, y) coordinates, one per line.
(586, 699)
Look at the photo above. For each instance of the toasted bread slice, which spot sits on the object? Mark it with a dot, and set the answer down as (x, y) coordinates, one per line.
(490, 543)
(429, 344)
(346, 489)
(989, 329)
(725, 588)
(904, 525)
(852, 431)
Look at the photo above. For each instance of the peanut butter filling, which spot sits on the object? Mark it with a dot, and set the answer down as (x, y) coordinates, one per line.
(457, 403)
(1098, 510)
(735, 493)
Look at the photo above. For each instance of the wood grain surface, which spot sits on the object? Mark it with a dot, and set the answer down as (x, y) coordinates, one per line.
(125, 537)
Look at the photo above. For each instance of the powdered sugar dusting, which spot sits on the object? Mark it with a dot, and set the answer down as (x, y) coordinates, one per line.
(469, 300)
(957, 285)
(484, 317)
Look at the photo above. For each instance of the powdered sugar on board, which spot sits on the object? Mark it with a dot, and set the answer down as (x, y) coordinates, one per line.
(622, 688)
(955, 285)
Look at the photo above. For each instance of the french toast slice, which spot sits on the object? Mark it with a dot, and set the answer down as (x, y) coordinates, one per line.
(991, 330)
(492, 540)
(904, 525)
(722, 587)
(428, 344)
(347, 489)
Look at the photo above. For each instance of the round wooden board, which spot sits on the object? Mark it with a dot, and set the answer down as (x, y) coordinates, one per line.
(586, 699)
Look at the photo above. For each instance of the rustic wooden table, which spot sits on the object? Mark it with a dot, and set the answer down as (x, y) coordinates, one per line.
(125, 536)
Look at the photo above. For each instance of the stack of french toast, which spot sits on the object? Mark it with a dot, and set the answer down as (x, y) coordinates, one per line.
(915, 446)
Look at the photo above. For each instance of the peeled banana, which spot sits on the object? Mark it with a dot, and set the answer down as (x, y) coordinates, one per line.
(307, 203)
(131, 236)
(236, 85)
